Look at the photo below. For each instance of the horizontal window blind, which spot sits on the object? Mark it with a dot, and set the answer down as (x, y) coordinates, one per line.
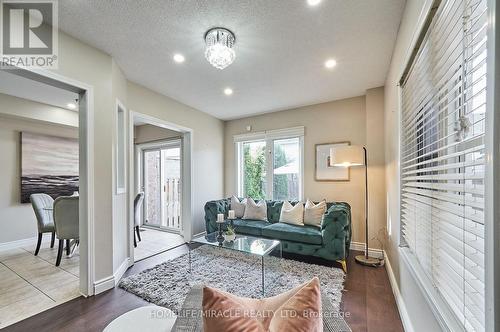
(442, 156)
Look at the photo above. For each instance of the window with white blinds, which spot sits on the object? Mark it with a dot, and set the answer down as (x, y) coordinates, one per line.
(442, 156)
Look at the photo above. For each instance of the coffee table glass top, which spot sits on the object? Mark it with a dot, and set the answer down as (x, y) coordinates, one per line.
(244, 243)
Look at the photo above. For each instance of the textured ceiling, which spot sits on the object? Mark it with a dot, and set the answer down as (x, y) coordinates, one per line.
(281, 46)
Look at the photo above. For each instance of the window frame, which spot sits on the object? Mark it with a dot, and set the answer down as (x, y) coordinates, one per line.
(269, 137)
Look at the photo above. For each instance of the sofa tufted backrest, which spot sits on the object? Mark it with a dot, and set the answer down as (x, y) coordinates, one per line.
(274, 209)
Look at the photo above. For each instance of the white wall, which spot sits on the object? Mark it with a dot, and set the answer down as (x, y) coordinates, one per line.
(335, 121)
(17, 221)
(419, 313)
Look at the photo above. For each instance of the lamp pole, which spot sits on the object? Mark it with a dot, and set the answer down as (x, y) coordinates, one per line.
(365, 259)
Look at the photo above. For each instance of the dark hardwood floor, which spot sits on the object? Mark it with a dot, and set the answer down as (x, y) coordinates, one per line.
(367, 302)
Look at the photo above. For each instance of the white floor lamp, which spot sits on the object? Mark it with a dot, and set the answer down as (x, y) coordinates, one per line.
(350, 156)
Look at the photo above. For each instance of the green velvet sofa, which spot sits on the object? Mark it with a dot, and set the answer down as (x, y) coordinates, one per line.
(331, 241)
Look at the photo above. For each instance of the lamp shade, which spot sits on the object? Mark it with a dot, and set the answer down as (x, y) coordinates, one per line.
(347, 156)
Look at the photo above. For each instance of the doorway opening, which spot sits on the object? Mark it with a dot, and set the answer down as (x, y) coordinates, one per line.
(44, 129)
(161, 184)
(158, 221)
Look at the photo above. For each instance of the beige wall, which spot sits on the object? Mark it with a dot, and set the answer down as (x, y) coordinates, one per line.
(336, 121)
(207, 144)
(121, 231)
(86, 64)
(415, 307)
(148, 133)
(17, 221)
(83, 63)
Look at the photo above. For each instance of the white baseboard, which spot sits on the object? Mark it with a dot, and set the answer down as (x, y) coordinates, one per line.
(110, 282)
(403, 313)
(359, 246)
(24, 242)
(104, 284)
(121, 270)
(199, 234)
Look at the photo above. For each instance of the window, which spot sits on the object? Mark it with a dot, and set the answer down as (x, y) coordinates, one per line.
(270, 164)
(120, 149)
(443, 101)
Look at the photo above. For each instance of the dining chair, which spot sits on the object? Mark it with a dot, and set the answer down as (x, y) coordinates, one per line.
(42, 206)
(66, 215)
(137, 216)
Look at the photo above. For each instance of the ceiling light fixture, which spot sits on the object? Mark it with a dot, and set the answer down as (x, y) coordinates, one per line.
(313, 2)
(71, 106)
(330, 63)
(219, 47)
(179, 58)
(228, 91)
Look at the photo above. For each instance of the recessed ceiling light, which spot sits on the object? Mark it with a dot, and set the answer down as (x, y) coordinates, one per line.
(71, 106)
(228, 91)
(330, 63)
(179, 58)
(313, 2)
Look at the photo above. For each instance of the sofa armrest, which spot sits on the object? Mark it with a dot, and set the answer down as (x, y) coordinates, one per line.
(212, 208)
(336, 229)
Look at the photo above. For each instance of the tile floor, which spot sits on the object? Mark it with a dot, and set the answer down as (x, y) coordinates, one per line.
(154, 242)
(31, 284)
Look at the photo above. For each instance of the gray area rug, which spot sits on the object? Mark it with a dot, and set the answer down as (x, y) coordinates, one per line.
(167, 284)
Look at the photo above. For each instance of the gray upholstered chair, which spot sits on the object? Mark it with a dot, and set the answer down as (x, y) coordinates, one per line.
(42, 205)
(137, 216)
(66, 220)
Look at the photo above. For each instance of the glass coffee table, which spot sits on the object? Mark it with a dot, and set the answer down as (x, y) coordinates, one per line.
(245, 243)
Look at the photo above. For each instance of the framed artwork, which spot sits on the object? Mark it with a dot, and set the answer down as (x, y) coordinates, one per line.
(325, 172)
(49, 165)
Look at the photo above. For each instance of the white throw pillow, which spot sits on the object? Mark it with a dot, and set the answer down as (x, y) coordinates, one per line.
(238, 207)
(292, 214)
(313, 214)
(255, 211)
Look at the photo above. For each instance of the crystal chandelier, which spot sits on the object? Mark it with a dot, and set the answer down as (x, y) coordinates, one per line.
(219, 47)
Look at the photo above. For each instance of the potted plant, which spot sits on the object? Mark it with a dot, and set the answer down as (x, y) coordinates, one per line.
(230, 234)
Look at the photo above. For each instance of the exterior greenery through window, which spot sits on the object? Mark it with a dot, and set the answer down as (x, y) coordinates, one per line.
(254, 167)
(274, 178)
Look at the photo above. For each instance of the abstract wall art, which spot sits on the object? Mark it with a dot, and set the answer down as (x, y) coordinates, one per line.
(49, 164)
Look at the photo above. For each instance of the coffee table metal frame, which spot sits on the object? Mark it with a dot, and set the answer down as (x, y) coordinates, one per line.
(242, 243)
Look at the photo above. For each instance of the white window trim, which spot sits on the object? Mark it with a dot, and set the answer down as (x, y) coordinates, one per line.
(446, 319)
(120, 162)
(269, 136)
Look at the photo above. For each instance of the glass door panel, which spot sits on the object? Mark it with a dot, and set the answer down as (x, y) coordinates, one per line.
(152, 187)
(171, 179)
